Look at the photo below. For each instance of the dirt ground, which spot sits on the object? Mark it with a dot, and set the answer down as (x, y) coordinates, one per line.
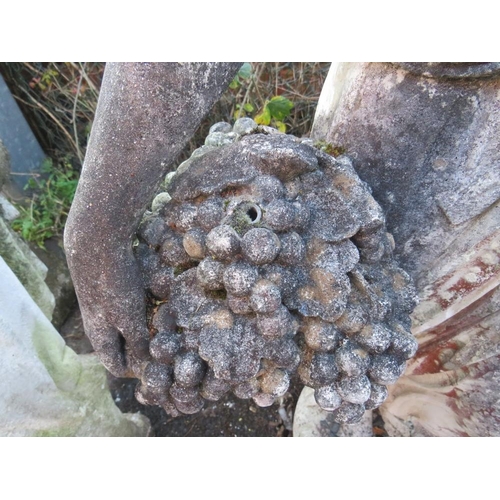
(228, 417)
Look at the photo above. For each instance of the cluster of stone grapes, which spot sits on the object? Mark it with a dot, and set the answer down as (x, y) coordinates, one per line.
(268, 257)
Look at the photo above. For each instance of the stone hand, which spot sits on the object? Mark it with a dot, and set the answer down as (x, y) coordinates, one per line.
(146, 114)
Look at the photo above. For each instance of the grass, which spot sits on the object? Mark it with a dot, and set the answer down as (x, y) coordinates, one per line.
(47, 208)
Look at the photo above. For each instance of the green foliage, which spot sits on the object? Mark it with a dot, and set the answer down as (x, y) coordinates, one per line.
(53, 193)
(275, 112)
(47, 79)
(244, 73)
(247, 107)
(264, 118)
(280, 107)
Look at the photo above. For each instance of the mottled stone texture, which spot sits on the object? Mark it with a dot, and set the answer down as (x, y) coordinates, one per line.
(47, 390)
(28, 268)
(267, 257)
(312, 421)
(426, 137)
(427, 147)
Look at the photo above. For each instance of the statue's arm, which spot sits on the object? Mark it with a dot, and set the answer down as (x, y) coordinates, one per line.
(146, 114)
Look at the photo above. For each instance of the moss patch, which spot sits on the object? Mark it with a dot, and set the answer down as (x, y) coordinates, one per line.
(329, 148)
(60, 361)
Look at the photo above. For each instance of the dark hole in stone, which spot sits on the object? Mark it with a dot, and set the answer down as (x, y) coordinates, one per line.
(184, 267)
(252, 213)
(121, 344)
(217, 294)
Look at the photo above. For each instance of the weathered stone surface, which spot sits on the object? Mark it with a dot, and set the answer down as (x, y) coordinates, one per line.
(426, 139)
(47, 390)
(8, 211)
(58, 279)
(27, 267)
(310, 420)
(427, 147)
(462, 70)
(277, 238)
(244, 126)
(451, 386)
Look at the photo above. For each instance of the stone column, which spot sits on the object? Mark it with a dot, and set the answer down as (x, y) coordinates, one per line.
(426, 138)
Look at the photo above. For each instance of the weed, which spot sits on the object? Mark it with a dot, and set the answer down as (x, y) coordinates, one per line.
(283, 95)
(244, 73)
(275, 111)
(52, 194)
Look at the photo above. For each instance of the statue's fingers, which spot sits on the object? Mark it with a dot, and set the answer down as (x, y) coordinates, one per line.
(138, 355)
(109, 345)
(136, 336)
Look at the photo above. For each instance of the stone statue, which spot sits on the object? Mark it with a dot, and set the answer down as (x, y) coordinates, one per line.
(424, 137)
(289, 237)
